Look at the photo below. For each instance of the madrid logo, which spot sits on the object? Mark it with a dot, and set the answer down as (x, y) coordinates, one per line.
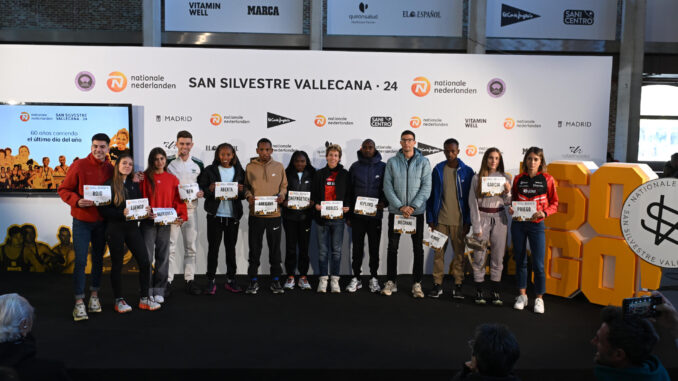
(649, 222)
(421, 86)
(117, 81)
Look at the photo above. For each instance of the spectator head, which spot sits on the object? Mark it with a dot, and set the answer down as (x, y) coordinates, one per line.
(495, 350)
(16, 317)
(623, 340)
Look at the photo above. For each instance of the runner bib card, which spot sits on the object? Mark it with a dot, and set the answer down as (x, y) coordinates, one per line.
(435, 239)
(188, 192)
(492, 186)
(523, 210)
(298, 200)
(137, 209)
(225, 191)
(265, 205)
(332, 210)
(165, 216)
(367, 206)
(404, 225)
(99, 194)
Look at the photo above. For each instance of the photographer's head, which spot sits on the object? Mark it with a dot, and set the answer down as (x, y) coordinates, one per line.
(623, 340)
(495, 350)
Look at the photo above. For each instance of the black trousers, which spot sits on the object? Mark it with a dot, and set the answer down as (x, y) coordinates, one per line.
(257, 227)
(118, 234)
(218, 228)
(297, 233)
(417, 248)
(359, 227)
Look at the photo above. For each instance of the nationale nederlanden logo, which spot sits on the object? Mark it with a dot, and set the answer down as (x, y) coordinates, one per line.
(24, 116)
(320, 120)
(471, 150)
(649, 222)
(421, 86)
(215, 119)
(415, 122)
(509, 123)
(117, 81)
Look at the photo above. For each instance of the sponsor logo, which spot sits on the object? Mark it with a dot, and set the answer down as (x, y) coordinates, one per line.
(575, 124)
(262, 10)
(386, 149)
(117, 81)
(471, 150)
(428, 149)
(381, 121)
(509, 123)
(578, 17)
(511, 15)
(422, 14)
(170, 147)
(576, 152)
(363, 17)
(421, 86)
(575, 149)
(24, 116)
(286, 148)
(331, 121)
(174, 118)
(214, 148)
(216, 119)
(474, 122)
(525, 150)
(496, 87)
(274, 120)
(415, 122)
(362, 7)
(85, 81)
(320, 120)
(196, 8)
(649, 221)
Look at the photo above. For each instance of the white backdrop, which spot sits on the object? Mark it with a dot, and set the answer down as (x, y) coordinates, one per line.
(558, 103)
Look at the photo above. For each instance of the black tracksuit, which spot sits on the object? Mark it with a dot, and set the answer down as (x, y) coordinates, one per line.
(297, 223)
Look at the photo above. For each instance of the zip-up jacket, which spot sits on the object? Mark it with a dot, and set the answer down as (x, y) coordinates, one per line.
(87, 171)
(407, 184)
(342, 188)
(303, 185)
(166, 193)
(211, 175)
(435, 203)
(265, 179)
(367, 180)
(541, 188)
(114, 213)
(187, 172)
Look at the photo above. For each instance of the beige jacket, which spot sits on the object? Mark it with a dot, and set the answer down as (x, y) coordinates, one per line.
(265, 180)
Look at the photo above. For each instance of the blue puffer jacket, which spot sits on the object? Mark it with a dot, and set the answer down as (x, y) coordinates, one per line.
(367, 178)
(435, 203)
(407, 184)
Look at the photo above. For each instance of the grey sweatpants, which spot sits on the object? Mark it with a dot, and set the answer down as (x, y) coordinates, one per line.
(494, 228)
(157, 239)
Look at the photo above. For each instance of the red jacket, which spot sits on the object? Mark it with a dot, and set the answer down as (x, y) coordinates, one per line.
(166, 193)
(541, 188)
(87, 171)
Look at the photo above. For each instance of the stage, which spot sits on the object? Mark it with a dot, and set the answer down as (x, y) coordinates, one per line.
(304, 334)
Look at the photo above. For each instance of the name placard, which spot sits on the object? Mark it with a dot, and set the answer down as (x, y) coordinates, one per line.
(165, 216)
(435, 239)
(137, 209)
(404, 225)
(492, 186)
(188, 192)
(99, 194)
(523, 210)
(298, 200)
(366, 206)
(225, 191)
(265, 205)
(332, 210)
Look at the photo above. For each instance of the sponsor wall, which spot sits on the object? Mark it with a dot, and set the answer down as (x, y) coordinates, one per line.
(305, 100)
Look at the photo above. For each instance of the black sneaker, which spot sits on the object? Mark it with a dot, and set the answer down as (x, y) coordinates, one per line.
(480, 299)
(211, 287)
(496, 300)
(253, 287)
(457, 292)
(192, 288)
(436, 291)
(276, 287)
(168, 289)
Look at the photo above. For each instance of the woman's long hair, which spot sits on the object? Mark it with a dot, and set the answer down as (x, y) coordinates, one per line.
(148, 173)
(485, 169)
(537, 151)
(235, 161)
(118, 181)
(295, 155)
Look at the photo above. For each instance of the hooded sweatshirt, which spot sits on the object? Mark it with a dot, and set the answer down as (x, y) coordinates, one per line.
(651, 370)
(265, 179)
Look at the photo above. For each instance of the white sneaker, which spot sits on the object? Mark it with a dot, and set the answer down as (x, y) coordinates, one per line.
(389, 288)
(355, 285)
(521, 302)
(322, 285)
(147, 303)
(539, 306)
(374, 285)
(416, 290)
(121, 306)
(303, 283)
(289, 283)
(94, 304)
(334, 284)
(80, 312)
(159, 299)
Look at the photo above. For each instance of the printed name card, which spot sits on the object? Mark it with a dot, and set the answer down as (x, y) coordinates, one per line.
(367, 206)
(404, 225)
(137, 209)
(165, 216)
(435, 239)
(188, 192)
(298, 200)
(492, 186)
(523, 210)
(332, 210)
(265, 205)
(225, 191)
(99, 194)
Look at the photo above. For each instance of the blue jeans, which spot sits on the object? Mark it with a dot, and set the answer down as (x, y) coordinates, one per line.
(84, 233)
(521, 232)
(334, 232)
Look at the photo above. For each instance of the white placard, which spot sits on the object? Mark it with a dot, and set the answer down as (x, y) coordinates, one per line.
(265, 205)
(332, 210)
(165, 216)
(226, 191)
(523, 210)
(439, 18)
(99, 194)
(435, 239)
(137, 209)
(562, 19)
(404, 225)
(262, 16)
(298, 200)
(366, 206)
(492, 186)
(188, 192)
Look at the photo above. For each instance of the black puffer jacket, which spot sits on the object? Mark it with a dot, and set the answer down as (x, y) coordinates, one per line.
(211, 175)
(113, 213)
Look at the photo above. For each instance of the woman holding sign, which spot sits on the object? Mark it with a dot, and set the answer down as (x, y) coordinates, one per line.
(223, 184)
(490, 191)
(534, 198)
(161, 189)
(121, 215)
(331, 195)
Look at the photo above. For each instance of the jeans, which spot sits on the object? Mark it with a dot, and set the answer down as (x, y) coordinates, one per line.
(297, 233)
(334, 232)
(521, 232)
(372, 227)
(157, 239)
(84, 233)
(216, 228)
(417, 248)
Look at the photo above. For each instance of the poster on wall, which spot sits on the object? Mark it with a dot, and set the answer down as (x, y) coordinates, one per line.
(436, 18)
(563, 19)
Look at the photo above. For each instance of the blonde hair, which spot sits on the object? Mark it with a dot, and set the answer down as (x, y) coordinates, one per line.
(333, 147)
(14, 311)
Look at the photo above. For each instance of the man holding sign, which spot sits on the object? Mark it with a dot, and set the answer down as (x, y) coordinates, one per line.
(187, 169)
(88, 226)
(407, 185)
(265, 188)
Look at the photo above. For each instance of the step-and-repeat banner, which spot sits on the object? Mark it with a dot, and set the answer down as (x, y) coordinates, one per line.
(304, 100)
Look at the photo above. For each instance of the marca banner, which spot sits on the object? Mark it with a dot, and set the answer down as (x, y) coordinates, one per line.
(440, 18)
(562, 19)
(265, 16)
(660, 21)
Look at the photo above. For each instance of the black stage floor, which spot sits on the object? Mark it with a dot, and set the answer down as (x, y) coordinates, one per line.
(303, 334)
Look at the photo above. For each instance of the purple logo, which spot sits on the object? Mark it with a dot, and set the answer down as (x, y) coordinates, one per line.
(496, 88)
(85, 81)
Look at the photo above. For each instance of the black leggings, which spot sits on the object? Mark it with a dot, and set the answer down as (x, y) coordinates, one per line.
(118, 234)
(216, 228)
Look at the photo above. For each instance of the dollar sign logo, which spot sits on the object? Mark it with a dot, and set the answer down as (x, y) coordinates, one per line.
(659, 237)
